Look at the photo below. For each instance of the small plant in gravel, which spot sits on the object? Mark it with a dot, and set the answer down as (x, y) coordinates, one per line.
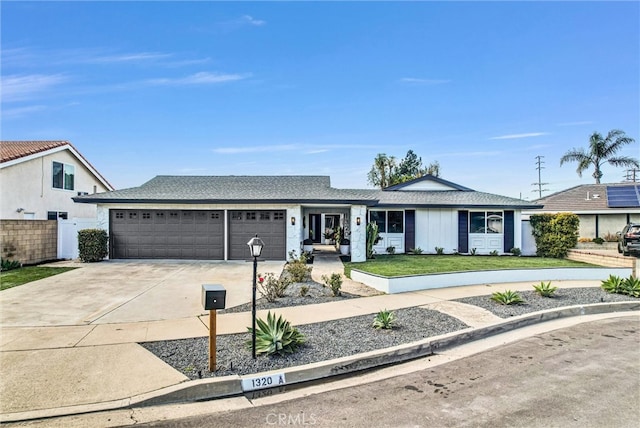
(297, 267)
(272, 288)
(384, 320)
(545, 289)
(507, 297)
(334, 282)
(304, 290)
(275, 336)
(629, 286)
(613, 284)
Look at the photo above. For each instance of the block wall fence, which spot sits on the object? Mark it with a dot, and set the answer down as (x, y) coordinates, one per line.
(29, 241)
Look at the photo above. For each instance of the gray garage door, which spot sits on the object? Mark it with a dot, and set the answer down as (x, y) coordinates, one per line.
(167, 234)
(270, 227)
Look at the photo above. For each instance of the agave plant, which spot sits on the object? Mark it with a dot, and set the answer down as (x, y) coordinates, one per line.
(384, 319)
(545, 289)
(613, 284)
(631, 286)
(508, 297)
(276, 336)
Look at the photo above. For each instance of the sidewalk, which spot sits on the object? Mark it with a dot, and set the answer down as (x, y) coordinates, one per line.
(57, 367)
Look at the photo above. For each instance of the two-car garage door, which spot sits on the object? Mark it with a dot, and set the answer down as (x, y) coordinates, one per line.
(195, 234)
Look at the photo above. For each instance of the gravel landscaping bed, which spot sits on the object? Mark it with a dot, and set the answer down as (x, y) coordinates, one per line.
(324, 341)
(534, 302)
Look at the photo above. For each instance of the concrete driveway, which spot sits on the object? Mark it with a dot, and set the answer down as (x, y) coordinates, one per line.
(126, 291)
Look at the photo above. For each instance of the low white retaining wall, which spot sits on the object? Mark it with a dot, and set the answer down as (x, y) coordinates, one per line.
(424, 282)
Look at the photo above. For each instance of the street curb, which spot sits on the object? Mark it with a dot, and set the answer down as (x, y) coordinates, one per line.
(229, 386)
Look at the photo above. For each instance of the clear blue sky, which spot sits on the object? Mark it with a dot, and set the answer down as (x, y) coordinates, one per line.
(211, 88)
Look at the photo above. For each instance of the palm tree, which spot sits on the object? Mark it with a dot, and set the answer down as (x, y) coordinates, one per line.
(601, 151)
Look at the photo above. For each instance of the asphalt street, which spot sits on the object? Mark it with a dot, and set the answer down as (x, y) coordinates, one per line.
(587, 375)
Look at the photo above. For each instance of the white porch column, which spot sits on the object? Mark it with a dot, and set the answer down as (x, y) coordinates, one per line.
(294, 232)
(358, 233)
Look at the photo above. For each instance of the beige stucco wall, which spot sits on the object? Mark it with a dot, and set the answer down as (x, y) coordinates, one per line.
(29, 241)
(29, 185)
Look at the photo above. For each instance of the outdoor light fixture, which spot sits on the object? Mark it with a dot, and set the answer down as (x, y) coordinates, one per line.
(293, 221)
(255, 247)
(358, 221)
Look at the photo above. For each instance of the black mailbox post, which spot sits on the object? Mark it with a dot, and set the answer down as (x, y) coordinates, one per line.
(213, 298)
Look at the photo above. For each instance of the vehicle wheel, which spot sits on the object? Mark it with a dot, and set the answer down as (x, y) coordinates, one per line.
(619, 248)
(625, 253)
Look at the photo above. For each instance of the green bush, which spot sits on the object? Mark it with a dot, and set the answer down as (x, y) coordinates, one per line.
(334, 282)
(6, 265)
(439, 251)
(516, 251)
(555, 234)
(507, 297)
(598, 240)
(275, 336)
(93, 245)
(391, 249)
(384, 319)
(297, 267)
(545, 289)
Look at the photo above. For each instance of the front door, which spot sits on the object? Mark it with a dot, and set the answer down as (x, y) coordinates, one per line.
(315, 224)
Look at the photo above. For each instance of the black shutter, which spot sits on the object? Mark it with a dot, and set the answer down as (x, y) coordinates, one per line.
(409, 230)
(463, 231)
(509, 233)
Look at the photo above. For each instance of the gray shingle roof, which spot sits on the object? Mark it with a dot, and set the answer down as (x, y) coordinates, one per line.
(582, 198)
(289, 189)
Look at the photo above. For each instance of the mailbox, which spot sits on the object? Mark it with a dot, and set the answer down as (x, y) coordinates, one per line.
(213, 296)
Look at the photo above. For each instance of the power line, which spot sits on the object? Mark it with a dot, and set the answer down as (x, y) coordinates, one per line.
(632, 175)
(539, 167)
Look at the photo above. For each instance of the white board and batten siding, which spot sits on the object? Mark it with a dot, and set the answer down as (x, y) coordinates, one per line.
(436, 228)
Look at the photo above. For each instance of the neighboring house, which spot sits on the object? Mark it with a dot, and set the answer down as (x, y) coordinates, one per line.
(213, 217)
(603, 209)
(39, 179)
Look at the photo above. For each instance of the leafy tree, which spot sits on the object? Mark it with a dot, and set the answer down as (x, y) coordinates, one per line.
(386, 171)
(382, 171)
(601, 151)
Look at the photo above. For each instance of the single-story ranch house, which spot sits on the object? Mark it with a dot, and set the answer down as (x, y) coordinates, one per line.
(213, 217)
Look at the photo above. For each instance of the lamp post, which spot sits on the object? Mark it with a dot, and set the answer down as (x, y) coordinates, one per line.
(255, 247)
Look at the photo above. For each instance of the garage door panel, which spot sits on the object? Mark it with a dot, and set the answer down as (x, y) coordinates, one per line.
(167, 234)
(268, 225)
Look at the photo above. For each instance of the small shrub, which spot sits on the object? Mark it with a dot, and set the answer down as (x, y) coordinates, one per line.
(610, 237)
(545, 289)
(584, 240)
(494, 253)
(93, 245)
(416, 250)
(507, 297)
(516, 251)
(613, 284)
(598, 241)
(473, 251)
(334, 282)
(391, 249)
(297, 267)
(272, 288)
(555, 234)
(6, 265)
(439, 251)
(304, 290)
(384, 320)
(275, 336)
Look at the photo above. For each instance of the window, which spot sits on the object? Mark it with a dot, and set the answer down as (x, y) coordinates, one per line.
(379, 218)
(251, 215)
(388, 221)
(54, 215)
(265, 215)
(63, 176)
(485, 222)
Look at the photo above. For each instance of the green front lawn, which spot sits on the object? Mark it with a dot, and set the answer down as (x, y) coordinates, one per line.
(20, 276)
(399, 265)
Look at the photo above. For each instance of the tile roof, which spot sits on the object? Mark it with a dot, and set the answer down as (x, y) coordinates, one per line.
(288, 189)
(12, 150)
(582, 198)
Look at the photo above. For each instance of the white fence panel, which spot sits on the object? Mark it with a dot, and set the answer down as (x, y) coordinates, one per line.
(68, 236)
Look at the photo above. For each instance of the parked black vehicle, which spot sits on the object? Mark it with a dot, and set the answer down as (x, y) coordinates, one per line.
(629, 239)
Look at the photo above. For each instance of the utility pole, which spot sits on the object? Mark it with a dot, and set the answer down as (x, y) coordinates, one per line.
(539, 167)
(632, 175)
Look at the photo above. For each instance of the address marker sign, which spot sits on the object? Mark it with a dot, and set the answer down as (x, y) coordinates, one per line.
(263, 382)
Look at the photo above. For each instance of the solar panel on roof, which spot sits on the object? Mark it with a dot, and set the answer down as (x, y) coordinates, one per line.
(623, 196)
